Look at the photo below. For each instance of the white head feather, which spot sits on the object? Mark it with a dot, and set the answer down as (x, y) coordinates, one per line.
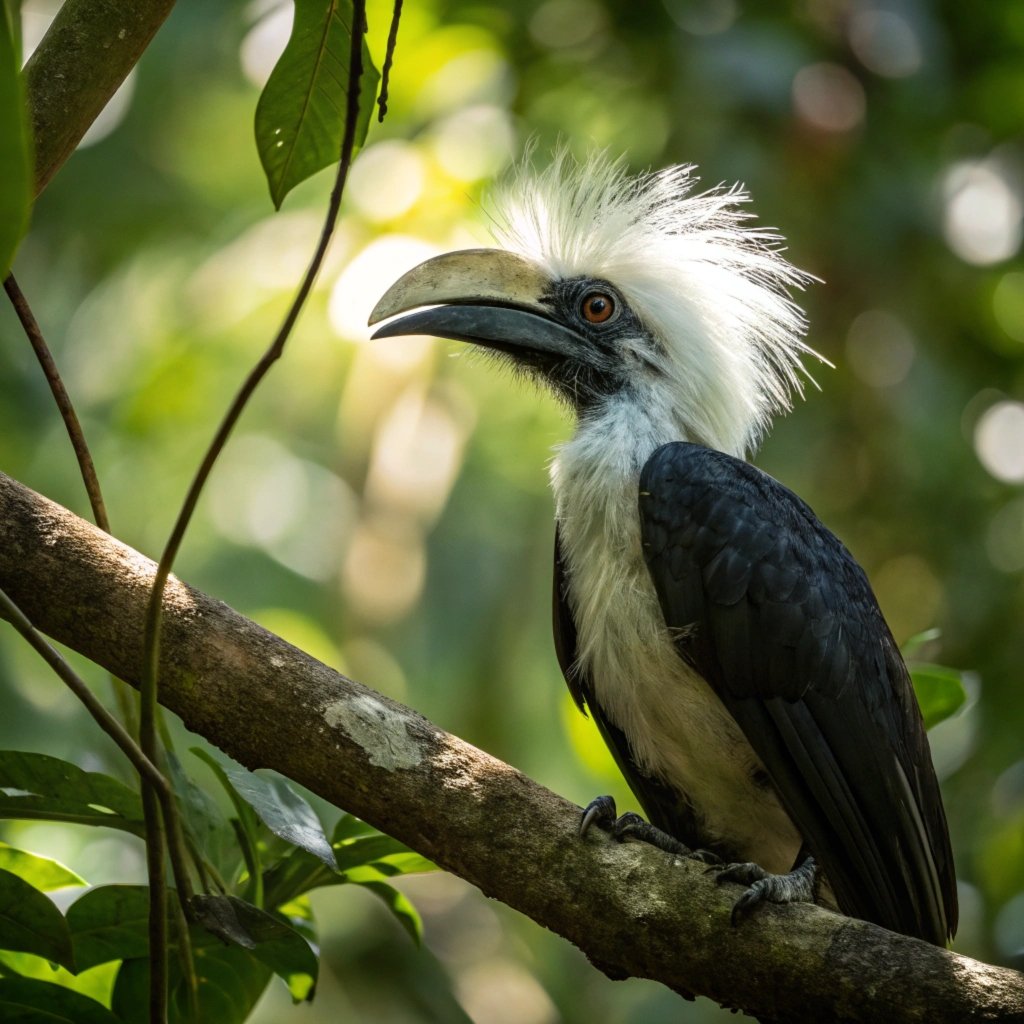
(711, 288)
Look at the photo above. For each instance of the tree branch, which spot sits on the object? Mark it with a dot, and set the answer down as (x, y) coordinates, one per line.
(83, 58)
(626, 906)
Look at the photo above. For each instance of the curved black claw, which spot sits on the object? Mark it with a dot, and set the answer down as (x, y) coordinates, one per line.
(795, 887)
(601, 811)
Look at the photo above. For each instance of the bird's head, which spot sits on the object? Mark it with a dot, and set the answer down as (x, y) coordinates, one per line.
(613, 288)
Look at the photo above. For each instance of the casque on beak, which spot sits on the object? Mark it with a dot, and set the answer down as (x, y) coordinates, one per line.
(486, 296)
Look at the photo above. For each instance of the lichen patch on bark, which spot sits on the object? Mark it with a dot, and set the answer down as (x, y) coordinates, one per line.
(381, 731)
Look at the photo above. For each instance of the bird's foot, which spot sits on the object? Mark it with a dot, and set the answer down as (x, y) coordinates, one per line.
(797, 886)
(601, 812)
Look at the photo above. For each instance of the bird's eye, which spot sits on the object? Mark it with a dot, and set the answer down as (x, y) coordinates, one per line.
(597, 307)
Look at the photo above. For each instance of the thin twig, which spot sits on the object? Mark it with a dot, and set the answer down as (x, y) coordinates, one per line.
(103, 718)
(125, 700)
(63, 400)
(154, 610)
(389, 56)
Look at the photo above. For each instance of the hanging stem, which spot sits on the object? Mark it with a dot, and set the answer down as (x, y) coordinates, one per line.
(389, 57)
(154, 610)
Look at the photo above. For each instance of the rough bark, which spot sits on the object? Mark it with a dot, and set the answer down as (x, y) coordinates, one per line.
(631, 909)
(79, 64)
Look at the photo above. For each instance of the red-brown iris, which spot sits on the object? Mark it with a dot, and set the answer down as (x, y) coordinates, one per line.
(597, 307)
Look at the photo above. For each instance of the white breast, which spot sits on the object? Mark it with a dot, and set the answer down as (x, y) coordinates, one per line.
(677, 727)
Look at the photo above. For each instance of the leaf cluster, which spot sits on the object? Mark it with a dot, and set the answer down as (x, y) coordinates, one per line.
(263, 854)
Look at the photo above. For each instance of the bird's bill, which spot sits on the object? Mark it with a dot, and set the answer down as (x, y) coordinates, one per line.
(485, 296)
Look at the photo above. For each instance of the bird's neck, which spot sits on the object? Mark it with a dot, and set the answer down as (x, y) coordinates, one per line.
(594, 476)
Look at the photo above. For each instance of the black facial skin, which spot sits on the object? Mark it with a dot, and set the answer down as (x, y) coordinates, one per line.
(601, 370)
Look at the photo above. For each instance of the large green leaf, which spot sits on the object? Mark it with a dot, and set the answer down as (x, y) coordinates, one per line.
(26, 1001)
(282, 810)
(940, 692)
(373, 857)
(41, 787)
(400, 906)
(41, 872)
(300, 117)
(231, 981)
(30, 923)
(15, 152)
(109, 922)
(205, 823)
(271, 940)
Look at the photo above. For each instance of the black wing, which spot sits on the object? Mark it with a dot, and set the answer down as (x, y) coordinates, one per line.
(782, 623)
(663, 806)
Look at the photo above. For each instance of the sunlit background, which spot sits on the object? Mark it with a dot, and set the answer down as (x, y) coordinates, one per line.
(385, 505)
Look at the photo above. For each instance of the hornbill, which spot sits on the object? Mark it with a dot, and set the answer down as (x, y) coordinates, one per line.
(728, 646)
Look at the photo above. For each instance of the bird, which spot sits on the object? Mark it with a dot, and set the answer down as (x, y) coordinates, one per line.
(726, 643)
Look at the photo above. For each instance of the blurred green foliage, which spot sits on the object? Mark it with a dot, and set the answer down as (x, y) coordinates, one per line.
(385, 506)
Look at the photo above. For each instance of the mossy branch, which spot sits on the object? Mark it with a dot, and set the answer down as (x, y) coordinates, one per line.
(628, 907)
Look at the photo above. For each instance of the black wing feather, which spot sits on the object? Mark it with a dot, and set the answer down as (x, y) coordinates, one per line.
(773, 611)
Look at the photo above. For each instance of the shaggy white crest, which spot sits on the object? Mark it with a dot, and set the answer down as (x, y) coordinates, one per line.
(710, 287)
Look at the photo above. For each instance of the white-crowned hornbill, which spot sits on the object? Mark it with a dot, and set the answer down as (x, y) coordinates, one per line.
(726, 643)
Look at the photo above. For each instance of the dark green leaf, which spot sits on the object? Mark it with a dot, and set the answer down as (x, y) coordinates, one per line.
(15, 152)
(300, 117)
(26, 1001)
(41, 872)
(373, 857)
(940, 692)
(348, 826)
(41, 787)
(205, 822)
(270, 939)
(399, 905)
(245, 825)
(282, 810)
(109, 922)
(281, 948)
(30, 923)
(293, 875)
(231, 981)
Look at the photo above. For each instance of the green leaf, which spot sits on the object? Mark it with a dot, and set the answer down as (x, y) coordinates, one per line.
(270, 939)
(282, 810)
(43, 873)
(205, 823)
(15, 152)
(45, 788)
(30, 923)
(940, 692)
(399, 905)
(348, 826)
(25, 1001)
(373, 858)
(231, 981)
(918, 640)
(300, 117)
(109, 922)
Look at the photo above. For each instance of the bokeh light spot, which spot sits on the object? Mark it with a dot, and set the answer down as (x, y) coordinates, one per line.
(886, 43)
(386, 180)
(702, 17)
(828, 97)
(473, 144)
(367, 277)
(982, 217)
(563, 24)
(880, 348)
(1004, 540)
(999, 441)
(265, 41)
(1008, 304)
